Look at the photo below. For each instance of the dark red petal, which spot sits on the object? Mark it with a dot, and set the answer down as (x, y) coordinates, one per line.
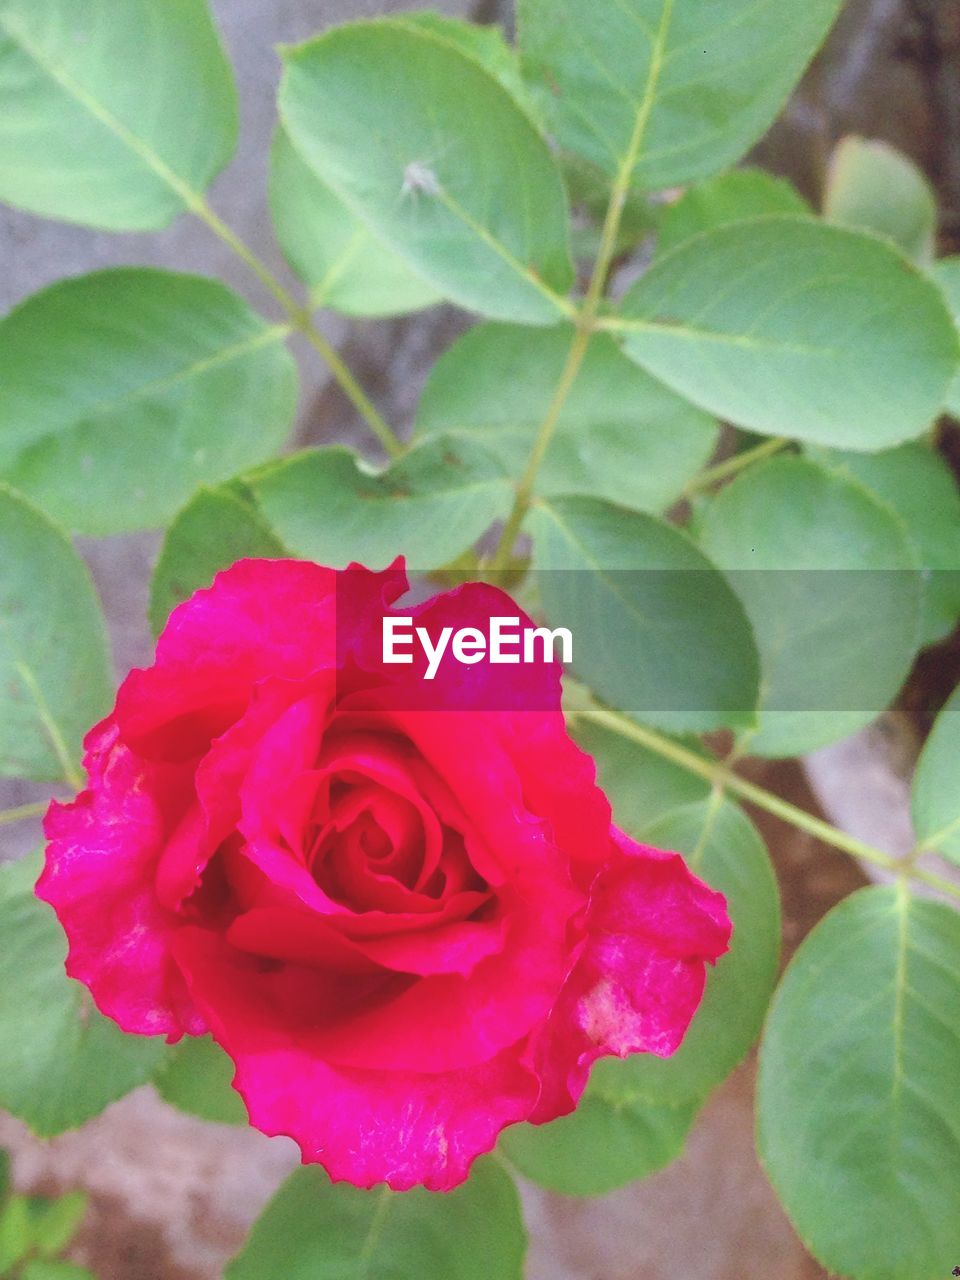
(447, 1022)
(447, 947)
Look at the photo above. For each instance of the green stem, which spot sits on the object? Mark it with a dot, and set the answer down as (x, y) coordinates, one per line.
(710, 476)
(585, 319)
(23, 811)
(302, 321)
(718, 774)
(524, 495)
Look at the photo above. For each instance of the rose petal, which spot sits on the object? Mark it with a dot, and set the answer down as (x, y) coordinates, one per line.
(285, 934)
(652, 926)
(391, 765)
(99, 878)
(446, 1022)
(485, 686)
(260, 619)
(364, 1127)
(560, 785)
(270, 726)
(465, 749)
(283, 750)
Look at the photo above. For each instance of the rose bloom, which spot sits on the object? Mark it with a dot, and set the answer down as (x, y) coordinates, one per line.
(405, 915)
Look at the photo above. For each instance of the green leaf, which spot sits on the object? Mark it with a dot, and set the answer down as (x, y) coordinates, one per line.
(671, 90)
(346, 266)
(829, 580)
(484, 43)
(15, 1237)
(642, 787)
(18, 878)
(216, 528)
(724, 848)
(313, 1230)
(946, 272)
(920, 487)
(122, 391)
(656, 629)
(196, 1077)
(61, 1062)
(44, 1270)
(55, 1222)
(790, 327)
(431, 504)
(613, 1138)
(936, 795)
(874, 186)
(430, 151)
(620, 435)
(4, 1174)
(113, 113)
(727, 197)
(859, 1088)
(54, 667)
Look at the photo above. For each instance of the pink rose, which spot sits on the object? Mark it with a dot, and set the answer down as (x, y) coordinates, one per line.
(407, 926)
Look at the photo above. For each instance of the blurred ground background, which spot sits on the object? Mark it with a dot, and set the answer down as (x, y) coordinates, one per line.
(172, 1197)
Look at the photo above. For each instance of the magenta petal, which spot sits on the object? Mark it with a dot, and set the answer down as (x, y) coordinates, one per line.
(399, 1128)
(364, 1127)
(506, 687)
(451, 948)
(219, 780)
(99, 878)
(466, 750)
(652, 926)
(261, 619)
(560, 784)
(281, 752)
(447, 1022)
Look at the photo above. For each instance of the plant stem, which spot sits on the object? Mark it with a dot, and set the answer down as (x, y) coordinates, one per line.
(23, 811)
(302, 321)
(718, 774)
(710, 476)
(521, 503)
(585, 319)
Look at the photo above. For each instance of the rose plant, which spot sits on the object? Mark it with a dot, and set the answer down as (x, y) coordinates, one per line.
(396, 914)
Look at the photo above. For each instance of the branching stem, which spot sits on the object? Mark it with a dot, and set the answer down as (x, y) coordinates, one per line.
(718, 774)
(711, 476)
(302, 320)
(586, 318)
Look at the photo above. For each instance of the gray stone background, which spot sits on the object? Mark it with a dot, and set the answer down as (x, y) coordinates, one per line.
(172, 1197)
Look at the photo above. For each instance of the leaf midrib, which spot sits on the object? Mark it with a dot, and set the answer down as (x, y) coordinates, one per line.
(168, 382)
(689, 333)
(602, 573)
(191, 198)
